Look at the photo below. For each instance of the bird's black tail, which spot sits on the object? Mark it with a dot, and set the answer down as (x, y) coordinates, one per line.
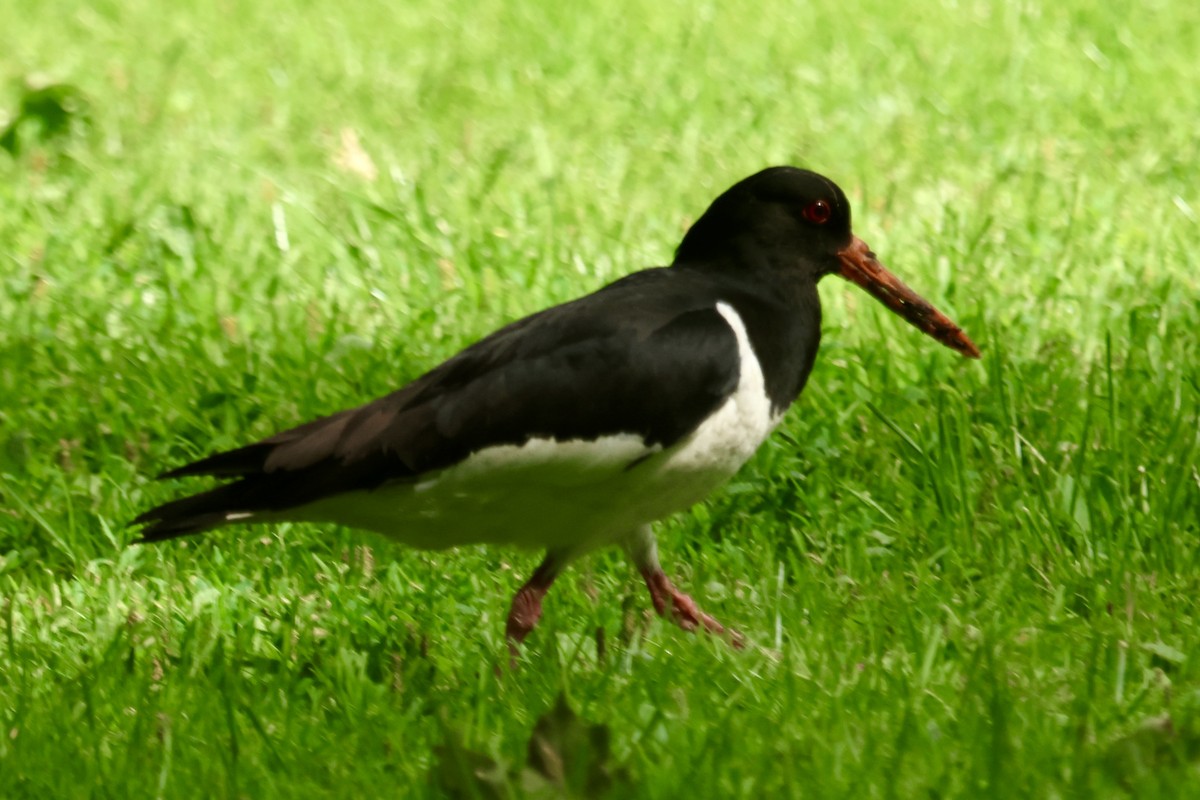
(197, 513)
(257, 490)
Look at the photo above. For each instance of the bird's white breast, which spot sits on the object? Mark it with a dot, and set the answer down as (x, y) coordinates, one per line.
(731, 434)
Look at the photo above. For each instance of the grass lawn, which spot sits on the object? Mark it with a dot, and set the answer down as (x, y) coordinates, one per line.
(960, 579)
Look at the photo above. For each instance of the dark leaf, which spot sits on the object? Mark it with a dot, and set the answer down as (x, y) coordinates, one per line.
(462, 774)
(567, 757)
(210, 400)
(1155, 751)
(46, 111)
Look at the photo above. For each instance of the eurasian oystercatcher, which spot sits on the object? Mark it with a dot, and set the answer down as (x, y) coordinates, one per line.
(579, 426)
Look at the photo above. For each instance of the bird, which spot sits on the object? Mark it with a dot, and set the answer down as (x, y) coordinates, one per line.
(579, 426)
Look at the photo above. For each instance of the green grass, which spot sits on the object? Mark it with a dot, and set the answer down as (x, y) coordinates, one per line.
(961, 579)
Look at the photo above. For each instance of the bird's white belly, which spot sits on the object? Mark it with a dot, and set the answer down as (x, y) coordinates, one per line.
(566, 494)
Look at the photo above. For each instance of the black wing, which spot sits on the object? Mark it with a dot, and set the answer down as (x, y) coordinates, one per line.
(648, 355)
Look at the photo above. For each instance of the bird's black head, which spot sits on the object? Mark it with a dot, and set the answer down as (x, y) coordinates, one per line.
(782, 218)
(792, 223)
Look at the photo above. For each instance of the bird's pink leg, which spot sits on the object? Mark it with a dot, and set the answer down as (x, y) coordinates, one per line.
(526, 607)
(668, 600)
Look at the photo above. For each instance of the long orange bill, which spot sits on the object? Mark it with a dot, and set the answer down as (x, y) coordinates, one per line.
(860, 265)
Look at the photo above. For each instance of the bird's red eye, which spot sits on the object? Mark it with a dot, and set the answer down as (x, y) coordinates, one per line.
(818, 212)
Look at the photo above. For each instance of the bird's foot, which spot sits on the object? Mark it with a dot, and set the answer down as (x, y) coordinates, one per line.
(670, 601)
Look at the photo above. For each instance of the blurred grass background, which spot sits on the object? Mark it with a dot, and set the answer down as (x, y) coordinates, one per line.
(961, 579)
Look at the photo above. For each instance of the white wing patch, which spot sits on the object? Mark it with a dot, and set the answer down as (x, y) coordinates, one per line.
(572, 462)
